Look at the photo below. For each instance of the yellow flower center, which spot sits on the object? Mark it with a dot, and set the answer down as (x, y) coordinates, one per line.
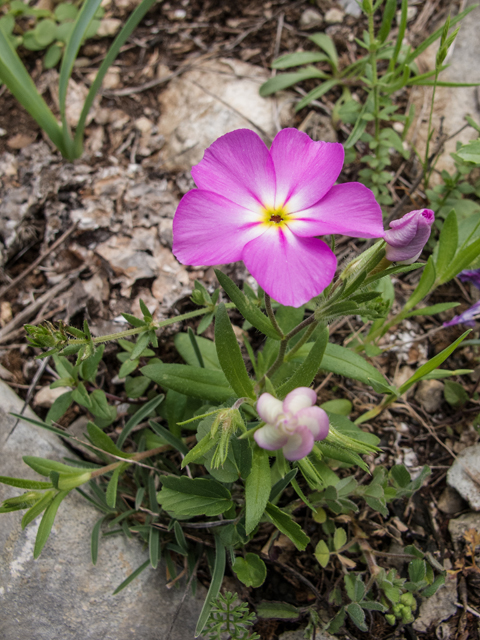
(275, 217)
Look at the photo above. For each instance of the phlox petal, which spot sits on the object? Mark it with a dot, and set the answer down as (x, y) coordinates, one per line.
(238, 165)
(269, 408)
(270, 438)
(315, 419)
(209, 229)
(349, 209)
(305, 170)
(291, 270)
(299, 399)
(299, 444)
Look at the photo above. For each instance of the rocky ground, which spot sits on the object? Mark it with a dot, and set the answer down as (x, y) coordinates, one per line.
(91, 238)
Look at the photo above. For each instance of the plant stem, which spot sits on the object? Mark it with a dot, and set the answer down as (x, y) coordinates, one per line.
(427, 172)
(271, 315)
(152, 326)
(302, 340)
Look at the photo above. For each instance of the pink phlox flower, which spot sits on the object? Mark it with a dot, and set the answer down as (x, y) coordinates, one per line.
(407, 236)
(292, 425)
(267, 207)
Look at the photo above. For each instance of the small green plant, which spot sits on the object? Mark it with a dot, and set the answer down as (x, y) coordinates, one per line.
(16, 78)
(228, 616)
(386, 68)
(44, 30)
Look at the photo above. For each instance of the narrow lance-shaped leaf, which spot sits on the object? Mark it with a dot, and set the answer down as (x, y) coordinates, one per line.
(432, 364)
(230, 356)
(257, 489)
(215, 584)
(307, 371)
(246, 307)
(47, 523)
(447, 244)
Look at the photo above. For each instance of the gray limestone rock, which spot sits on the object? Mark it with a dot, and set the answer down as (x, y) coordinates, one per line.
(464, 475)
(62, 596)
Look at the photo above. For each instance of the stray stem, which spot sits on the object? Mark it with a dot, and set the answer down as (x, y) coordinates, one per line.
(271, 315)
(302, 340)
(302, 325)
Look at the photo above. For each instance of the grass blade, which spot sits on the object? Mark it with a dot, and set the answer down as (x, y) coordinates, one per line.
(131, 577)
(215, 584)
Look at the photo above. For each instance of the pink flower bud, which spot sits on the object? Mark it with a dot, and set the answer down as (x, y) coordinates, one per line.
(406, 237)
(292, 425)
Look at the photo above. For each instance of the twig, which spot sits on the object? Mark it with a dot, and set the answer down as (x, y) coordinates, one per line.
(31, 391)
(38, 261)
(297, 574)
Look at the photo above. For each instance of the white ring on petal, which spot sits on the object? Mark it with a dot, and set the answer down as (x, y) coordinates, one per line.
(315, 419)
(269, 408)
(299, 444)
(299, 399)
(270, 438)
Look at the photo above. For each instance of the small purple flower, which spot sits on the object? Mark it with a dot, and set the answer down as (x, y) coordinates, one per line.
(470, 275)
(406, 237)
(267, 207)
(468, 317)
(292, 425)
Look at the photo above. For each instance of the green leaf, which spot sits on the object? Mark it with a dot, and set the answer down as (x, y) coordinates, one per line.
(388, 15)
(438, 374)
(214, 588)
(104, 442)
(44, 466)
(432, 364)
(89, 367)
(59, 407)
(65, 11)
(277, 610)
(417, 570)
(111, 494)
(326, 43)
(136, 387)
(282, 484)
(168, 436)
(246, 307)
(250, 570)
(298, 58)
(341, 406)
(463, 259)
(318, 92)
(455, 394)
(345, 362)
(322, 553)
(44, 32)
(206, 347)
(285, 80)
(154, 546)
(138, 416)
(19, 82)
(46, 523)
(95, 539)
(186, 497)
(52, 56)
(191, 381)
(287, 526)
(357, 616)
(339, 538)
(37, 508)
(306, 372)
(230, 356)
(430, 311)
(424, 286)
(447, 244)
(131, 577)
(401, 475)
(257, 489)
(22, 483)
(433, 588)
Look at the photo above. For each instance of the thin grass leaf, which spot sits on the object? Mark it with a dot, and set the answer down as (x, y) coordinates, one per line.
(167, 435)
(215, 584)
(154, 546)
(95, 539)
(401, 33)
(39, 423)
(113, 52)
(131, 577)
(142, 413)
(111, 494)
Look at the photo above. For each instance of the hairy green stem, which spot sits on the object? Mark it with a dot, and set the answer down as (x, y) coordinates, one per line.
(271, 315)
(302, 340)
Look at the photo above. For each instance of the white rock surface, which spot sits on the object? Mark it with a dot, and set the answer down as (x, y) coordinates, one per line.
(464, 475)
(451, 104)
(62, 596)
(210, 100)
